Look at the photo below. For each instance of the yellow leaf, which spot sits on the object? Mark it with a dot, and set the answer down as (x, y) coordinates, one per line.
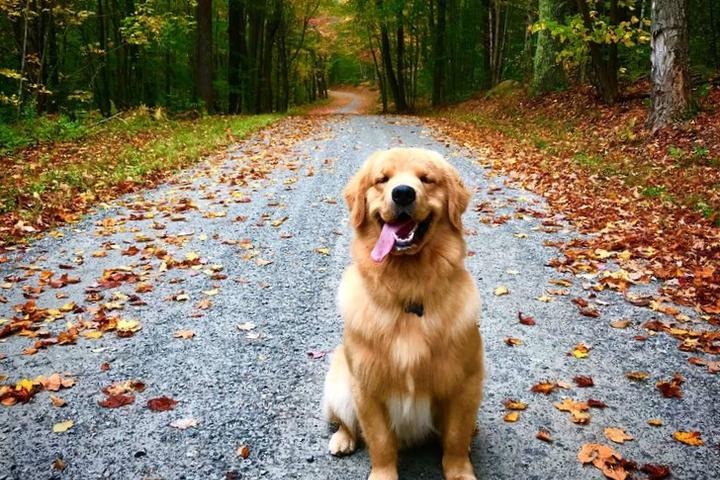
(655, 422)
(501, 290)
(63, 426)
(93, 334)
(511, 417)
(128, 326)
(689, 438)
(580, 351)
(323, 250)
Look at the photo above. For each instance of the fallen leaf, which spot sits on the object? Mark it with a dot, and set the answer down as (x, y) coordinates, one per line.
(63, 426)
(57, 401)
(655, 472)
(544, 436)
(184, 334)
(161, 404)
(246, 326)
(671, 389)
(689, 438)
(184, 423)
(655, 422)
(583, 381)
(617, 435)
(323, 250)
(117, 401)
(58, 464)
(638, 376)
(544, 387)
(317, 354)
(526, 319)
(511, 417)
(620, 323)
(514, 404)
(513, 342)
(580, 351)
(501, 290)
(243, 451)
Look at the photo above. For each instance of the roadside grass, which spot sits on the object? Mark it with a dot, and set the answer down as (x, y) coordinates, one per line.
(55, 181)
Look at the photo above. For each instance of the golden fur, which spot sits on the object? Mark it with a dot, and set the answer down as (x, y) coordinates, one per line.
(399, 378)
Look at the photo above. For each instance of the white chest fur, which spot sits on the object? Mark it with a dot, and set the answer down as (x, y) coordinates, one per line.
(410, 418)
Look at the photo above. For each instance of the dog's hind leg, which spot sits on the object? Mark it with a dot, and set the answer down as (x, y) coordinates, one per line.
(339, 407)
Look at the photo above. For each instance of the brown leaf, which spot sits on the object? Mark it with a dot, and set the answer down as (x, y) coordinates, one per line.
(243, 451)
(57, 401)
(544, 436)
(671, 389)
(116, 401)
(526, 319)
(655, 472)
(161, 404)
(583, 381)
(511, 417)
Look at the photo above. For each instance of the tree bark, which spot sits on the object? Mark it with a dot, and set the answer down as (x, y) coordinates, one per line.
(204, 66)
(236, 34)
(547, 73)
(439, 55)
(669, 57)
(605, 75)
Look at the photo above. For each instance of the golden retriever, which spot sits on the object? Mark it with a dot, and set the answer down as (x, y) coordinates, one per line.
(411, 363)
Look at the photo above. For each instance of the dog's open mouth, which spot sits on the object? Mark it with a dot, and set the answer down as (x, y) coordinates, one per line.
(399, 235)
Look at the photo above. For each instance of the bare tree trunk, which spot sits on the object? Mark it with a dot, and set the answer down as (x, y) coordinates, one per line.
(439, 55)
(204, 59)
(236, 33)
(671, 82)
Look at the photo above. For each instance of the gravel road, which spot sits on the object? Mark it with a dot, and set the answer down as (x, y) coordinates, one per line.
(261, 387)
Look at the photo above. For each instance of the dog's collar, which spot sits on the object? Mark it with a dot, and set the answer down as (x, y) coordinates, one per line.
(416, 308)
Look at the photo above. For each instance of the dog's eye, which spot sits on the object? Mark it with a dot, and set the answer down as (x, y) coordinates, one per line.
(382, 179)
(426, 179)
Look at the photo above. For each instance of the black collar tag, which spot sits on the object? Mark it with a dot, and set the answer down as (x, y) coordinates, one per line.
(416, 308)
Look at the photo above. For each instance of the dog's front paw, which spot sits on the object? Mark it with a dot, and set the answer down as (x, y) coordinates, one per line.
(383, 474)
(458, 468)
(341, 443)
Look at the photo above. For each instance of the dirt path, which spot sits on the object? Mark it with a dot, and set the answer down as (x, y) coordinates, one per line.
(215, 250)
(348, 101)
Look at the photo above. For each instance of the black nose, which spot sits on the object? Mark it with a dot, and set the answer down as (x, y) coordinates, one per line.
(403, 195)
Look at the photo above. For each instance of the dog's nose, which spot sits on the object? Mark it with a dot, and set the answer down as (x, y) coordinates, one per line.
(403, 195)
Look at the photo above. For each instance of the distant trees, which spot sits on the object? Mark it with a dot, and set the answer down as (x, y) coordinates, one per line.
(670, 76)
(548, 74)
(222, 55)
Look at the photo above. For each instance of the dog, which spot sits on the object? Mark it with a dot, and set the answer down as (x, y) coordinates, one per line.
(410, 366)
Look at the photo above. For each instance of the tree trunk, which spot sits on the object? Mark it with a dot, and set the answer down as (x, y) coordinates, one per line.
(547, 73)
(671, 82)
(439, 56)
(605, 76)
(402, 83)
(236, 30)
(204, 66)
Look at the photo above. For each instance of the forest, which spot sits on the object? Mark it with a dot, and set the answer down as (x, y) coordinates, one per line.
(253, 56)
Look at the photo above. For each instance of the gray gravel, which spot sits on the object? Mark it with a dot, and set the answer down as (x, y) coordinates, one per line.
(265, 392)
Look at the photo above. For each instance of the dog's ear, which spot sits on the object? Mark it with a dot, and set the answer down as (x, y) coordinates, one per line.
(458, 198)
(354, 194)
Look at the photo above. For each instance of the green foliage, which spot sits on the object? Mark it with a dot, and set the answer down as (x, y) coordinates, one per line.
(31, 131)
(575, 36)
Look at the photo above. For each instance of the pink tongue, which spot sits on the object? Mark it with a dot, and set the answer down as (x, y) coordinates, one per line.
(386, 242)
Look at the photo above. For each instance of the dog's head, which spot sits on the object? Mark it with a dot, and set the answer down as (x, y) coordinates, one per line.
(400, 197)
